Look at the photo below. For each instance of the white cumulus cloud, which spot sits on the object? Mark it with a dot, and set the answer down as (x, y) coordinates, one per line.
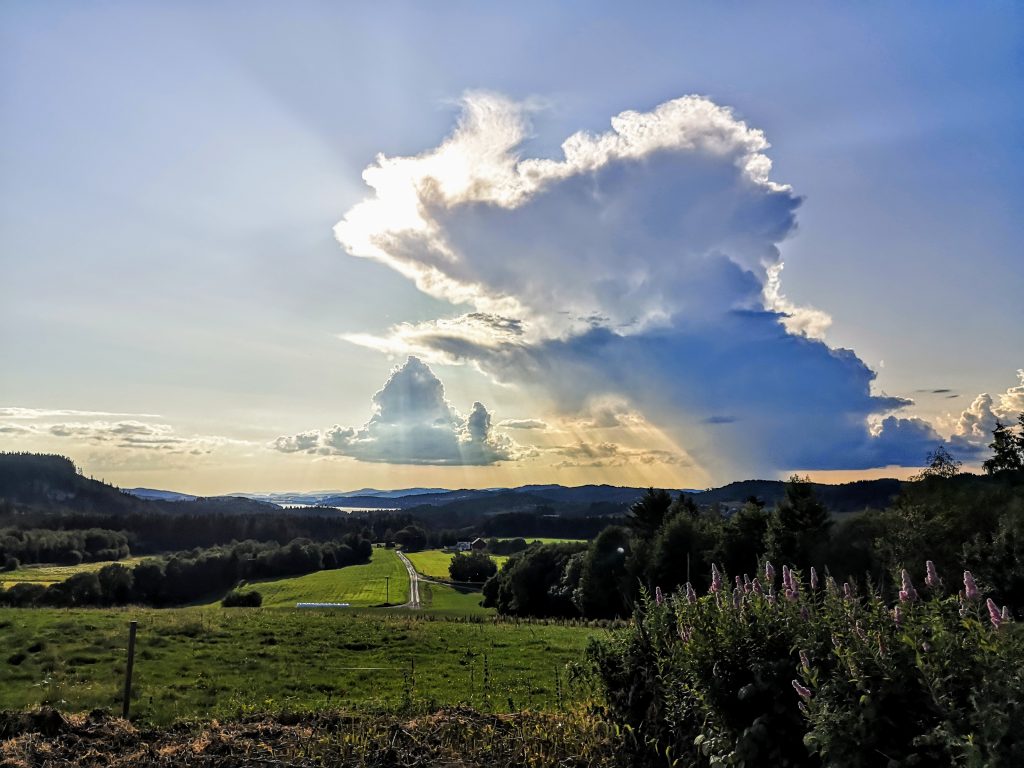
(412, 423)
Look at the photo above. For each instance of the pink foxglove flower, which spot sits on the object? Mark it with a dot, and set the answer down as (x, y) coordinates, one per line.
(786, 576)
(907, 593)
(716, 579)
(737, 597)
(805, 662)
(755, 587)
(746, 584)
(802, 692)
(932, 579)
(769, 572)
(1006, 613)
(971, 591)
(659, 598)
(814, 578)
(897, 615)
(691, 594)
(847, 592)
(994, 614)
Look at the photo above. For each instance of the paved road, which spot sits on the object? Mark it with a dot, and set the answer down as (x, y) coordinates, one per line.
(414, 581)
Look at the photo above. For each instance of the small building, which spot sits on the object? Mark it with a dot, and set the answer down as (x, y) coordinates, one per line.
(463, 546)
(478, 545)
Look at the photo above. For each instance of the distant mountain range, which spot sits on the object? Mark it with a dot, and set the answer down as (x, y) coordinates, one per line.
(846, 497)
(36, 479)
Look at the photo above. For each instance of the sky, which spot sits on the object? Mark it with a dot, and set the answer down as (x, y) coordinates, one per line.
(269, 247)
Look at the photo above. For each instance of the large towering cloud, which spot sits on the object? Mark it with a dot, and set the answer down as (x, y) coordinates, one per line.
(644, 265)
(412, 423)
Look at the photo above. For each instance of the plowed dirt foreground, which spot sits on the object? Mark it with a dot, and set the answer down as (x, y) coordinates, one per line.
(448, 738)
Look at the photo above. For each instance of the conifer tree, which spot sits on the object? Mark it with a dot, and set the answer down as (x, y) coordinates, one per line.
(1007, 450)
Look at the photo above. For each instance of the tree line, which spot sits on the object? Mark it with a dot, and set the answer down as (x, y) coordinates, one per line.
(42, 545)
(191, 575)
(956, 521)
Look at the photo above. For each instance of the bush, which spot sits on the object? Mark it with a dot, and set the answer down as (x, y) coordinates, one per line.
(818, 676)
(11, 564)
(474, 566)
(238, 599)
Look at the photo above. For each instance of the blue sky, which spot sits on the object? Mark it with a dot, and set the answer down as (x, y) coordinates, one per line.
(172, 174)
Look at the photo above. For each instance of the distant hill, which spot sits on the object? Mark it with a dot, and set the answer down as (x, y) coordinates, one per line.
(154, 495)
(48, 480)
(53, 482)
(844, 497)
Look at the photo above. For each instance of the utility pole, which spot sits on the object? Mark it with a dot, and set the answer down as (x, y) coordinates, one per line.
(387, 590)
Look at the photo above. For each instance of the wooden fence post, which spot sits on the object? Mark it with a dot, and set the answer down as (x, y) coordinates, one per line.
(128, 670)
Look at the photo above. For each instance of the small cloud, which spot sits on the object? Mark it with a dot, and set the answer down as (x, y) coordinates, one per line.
(128, 434)
(412, 423)
(609, 454)
(608, 412)
(523, 424)
(719, 420)
(304, 441)
(50, 413)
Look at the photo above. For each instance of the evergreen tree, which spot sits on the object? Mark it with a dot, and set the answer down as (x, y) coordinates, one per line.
(799, 526)
(1007, 450)
(648, 513)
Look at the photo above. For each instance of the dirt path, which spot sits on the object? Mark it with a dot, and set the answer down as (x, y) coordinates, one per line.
(414, 581)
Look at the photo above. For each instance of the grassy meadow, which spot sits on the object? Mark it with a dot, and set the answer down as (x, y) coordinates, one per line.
(444, 600)
(358, 585)
(51, 574)
(433, 563)
(193, 662)
(210, 662)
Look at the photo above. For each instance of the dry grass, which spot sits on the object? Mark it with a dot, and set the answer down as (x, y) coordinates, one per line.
(455, 738)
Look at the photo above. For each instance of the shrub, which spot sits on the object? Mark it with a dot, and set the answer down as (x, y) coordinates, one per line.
(238, 599)
(473, 566)
(11, 563)
(817, 675)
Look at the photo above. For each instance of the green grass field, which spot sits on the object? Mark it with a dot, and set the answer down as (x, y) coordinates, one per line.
(444, 600)
(50, 574)
(433, 563)
(554, 541)
(358, 585)
(223, 663)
